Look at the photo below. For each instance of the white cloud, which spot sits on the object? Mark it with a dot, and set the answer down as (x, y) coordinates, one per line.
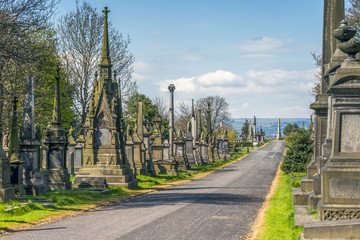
(274, 91)
(218, 78)
(265, 44)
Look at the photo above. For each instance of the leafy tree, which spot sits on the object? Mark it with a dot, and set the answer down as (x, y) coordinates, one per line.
(299, 151)
(132, 106)
(290, 128)
(80, 35)
(245, 128)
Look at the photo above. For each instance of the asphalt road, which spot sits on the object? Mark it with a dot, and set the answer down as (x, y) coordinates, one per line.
(220, 206)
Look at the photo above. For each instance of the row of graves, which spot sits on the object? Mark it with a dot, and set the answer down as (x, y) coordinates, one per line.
(108, 153)
(255, 137)
(332, 184)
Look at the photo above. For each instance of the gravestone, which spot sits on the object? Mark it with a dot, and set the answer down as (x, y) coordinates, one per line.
(138, 162)
(79, 153)
(105, 163)
(16, 163)
(180, 155)
(7, 192)
(161, 165)
(189, 149)
(147, 143)
(216, 153)
(226, 145)
(171, 88)
(55, 143)
(33, 176)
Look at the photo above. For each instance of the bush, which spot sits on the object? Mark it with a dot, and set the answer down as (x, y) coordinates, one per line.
(299, 151)
(247, 144)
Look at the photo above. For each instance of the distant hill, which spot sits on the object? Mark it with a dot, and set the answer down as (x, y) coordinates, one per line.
(270, 125)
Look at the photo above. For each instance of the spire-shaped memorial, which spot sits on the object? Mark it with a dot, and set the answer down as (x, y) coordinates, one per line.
(105, 163)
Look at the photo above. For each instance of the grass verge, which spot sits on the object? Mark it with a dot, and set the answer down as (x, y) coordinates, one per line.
(27, 212)
(278, 221)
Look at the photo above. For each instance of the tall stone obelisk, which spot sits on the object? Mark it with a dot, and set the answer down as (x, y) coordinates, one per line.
(171, 119)
(279, 130)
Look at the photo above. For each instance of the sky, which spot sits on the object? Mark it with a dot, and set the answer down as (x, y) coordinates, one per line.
(255, 54)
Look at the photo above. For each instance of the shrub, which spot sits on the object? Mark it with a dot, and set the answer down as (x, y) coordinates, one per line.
(247, 144)
(299, 151)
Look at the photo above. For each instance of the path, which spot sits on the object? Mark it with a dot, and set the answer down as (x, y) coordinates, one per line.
(219, 206)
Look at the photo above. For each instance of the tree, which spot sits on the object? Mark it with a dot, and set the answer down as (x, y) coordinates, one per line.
(353, 15)
(20, 21)
(299, 151)
(161, 107)
(245, 129)
(318, 62)
(290, 128)
(132, 106)
(219, 113)
(28, 48)
(80, 36)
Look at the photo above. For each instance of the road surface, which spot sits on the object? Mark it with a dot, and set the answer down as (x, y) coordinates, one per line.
(220, 206)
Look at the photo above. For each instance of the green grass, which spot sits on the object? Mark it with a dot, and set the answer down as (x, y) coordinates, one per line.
(67, 200)
(279, 217)
(76, 199)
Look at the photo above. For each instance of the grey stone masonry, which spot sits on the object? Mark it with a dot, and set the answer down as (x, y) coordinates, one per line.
(55, 143)
(34, 179)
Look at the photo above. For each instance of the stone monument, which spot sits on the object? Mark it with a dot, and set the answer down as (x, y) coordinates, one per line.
(55, 147)
(14, 153)
(278, 136)
(171, 119)
(161, 165)
(105, 162)
(33, 176)
(340, 177)
(180, 155)
(7, 192)
(189, 146)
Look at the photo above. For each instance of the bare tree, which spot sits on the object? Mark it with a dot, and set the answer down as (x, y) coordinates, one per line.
(161, 107)
(80, 36)
(182, 116)
(219, 108)
(318, 62)
(219, 111)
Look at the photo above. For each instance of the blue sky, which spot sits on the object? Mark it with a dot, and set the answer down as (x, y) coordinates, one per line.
(256, 54)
